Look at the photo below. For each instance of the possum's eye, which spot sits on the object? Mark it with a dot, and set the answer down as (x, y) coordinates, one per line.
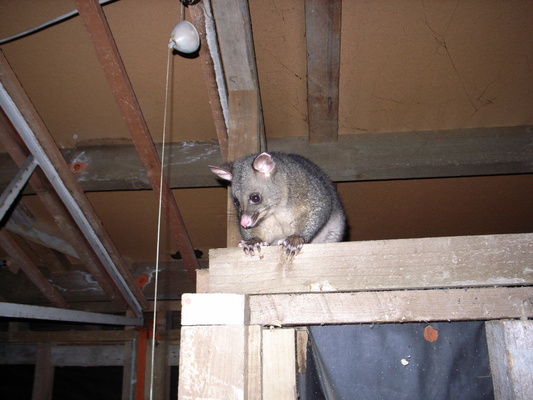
(255, 198)
(236, 202)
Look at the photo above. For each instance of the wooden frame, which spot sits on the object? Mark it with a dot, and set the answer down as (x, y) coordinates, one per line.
(246, 345)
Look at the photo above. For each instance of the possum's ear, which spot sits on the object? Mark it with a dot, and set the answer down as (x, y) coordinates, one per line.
(263, 163)
(222, 172)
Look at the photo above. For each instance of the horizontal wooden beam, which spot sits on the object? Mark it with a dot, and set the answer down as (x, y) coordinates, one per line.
(391, 306)
(385, 306)
(361, 157)
(444, 262)
(85, 337)
(75, 356)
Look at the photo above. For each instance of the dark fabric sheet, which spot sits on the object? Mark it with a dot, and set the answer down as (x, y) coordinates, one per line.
(395, 361)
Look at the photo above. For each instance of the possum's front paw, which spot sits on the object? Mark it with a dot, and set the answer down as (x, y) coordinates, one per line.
(292, 245)
(251, 246)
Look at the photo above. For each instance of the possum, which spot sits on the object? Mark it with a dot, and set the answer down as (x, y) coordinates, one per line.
(283, 199)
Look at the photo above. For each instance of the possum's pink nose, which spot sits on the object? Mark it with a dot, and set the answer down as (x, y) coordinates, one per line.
(247, 221)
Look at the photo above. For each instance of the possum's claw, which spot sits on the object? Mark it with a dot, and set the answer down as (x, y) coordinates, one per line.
(292, 245)
(251, 246)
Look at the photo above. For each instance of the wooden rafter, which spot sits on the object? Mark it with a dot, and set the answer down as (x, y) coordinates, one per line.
(109, 57)
(44, 191)
(8, 243)
(199, 20)
(56, 162)
(246, 132)
(323, 37)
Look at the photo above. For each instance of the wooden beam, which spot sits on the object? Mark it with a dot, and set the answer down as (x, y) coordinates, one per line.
(390, 306)
(246, 133)
(30, 269)
(72, 337)
(79, 248)
(444, 262)
(82, 355)
(43, 382)
(361, 157)
(244, 139)
(58, 170)
(199, 17)
(510, 345)
(212, 362)
(24, 224)
(323, 39)
(279, 366)
(107, 52)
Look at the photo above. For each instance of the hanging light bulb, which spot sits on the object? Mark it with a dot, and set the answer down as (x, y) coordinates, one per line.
(184, 37)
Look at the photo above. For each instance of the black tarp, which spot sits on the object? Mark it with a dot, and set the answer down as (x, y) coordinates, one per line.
(396, 361)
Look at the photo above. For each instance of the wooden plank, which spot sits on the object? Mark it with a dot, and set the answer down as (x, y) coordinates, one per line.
(212, 362)
(510, 346)
(246, 133)
(43, 381)
(244, 137)
(82, 355)
(391, 306)
(107, 52)
(254, 366)
(202, 281)
(361, 157)
(214, 309)
(234, 31)
(107, 336)
(323, 40)
(445, 262)
(279, 364)
(302, 340)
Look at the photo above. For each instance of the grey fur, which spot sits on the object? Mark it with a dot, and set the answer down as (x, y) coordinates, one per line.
(298, 202)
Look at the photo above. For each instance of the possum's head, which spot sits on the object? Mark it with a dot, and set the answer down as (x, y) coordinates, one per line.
(255, 187)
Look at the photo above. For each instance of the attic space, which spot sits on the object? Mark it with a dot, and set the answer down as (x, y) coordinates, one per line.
(420, 113)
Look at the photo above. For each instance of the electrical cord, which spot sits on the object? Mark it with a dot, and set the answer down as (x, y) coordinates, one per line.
(47, 24)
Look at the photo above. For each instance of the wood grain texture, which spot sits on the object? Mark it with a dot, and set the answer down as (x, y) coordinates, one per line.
(510, 346)
(444, 262)
(212, 362)
(361, 157)
(323, 39)
(279, 364)
(391, 306)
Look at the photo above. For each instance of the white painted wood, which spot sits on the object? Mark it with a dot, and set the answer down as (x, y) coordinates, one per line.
(214, 309)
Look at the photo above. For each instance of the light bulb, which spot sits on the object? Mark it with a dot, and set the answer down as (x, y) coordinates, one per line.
(184, 38)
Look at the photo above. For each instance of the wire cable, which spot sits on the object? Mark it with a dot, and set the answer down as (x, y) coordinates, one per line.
(159, 218)
(45, 25)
